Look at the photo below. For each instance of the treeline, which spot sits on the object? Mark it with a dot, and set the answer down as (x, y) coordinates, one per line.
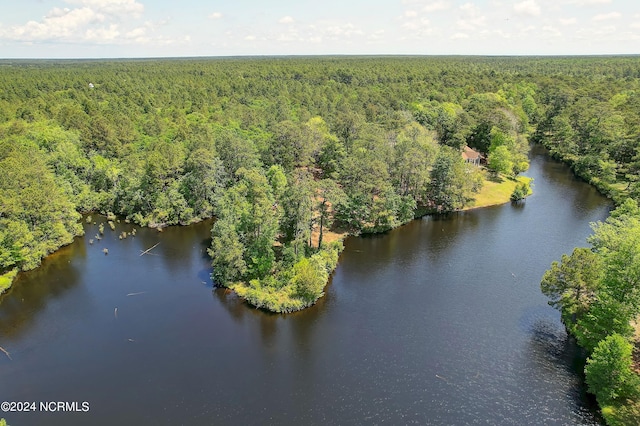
(363, 143)
(597, 291)
(595, 128)
(593, 123)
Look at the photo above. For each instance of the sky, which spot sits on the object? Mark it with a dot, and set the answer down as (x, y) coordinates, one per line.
(182, 28)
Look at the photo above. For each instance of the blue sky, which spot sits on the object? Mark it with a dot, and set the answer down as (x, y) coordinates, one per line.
(153, 28)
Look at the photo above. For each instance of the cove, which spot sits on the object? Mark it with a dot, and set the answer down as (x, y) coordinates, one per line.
(440, 321)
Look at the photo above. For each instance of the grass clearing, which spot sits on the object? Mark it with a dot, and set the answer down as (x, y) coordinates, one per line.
(494, 193)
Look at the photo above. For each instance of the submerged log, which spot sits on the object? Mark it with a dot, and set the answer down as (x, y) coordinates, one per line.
(149, 249)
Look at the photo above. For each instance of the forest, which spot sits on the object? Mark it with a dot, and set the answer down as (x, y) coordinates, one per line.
(279, 150)
(289, 154)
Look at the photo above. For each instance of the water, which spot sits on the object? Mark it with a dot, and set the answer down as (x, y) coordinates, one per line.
(438, 322)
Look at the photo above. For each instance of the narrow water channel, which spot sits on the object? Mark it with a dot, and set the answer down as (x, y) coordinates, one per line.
(438, 322)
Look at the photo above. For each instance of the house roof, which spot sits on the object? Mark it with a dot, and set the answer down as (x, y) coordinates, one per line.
(470, 154)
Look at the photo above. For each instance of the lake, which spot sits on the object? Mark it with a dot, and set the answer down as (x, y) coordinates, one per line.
(440, 321)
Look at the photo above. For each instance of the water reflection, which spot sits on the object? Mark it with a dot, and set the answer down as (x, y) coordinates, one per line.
(34, 290)
(584, 199)
(555, 355)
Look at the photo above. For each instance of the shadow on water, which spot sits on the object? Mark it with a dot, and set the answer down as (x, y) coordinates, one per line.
(34, 290)
(300, 324)
(205, 274)
(552, 353)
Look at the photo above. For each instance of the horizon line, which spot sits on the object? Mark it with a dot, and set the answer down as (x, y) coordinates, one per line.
(324, 55)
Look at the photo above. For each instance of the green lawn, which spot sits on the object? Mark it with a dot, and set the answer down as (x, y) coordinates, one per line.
(494, 193)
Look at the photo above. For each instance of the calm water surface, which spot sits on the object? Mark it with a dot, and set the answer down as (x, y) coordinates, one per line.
(438, 322)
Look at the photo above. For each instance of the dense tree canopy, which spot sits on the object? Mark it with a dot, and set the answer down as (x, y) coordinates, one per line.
(37, 215)
(281, 150)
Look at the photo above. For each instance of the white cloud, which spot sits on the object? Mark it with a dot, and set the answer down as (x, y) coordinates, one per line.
(286, 20)
(215, 15)
(499, 33)
(435, 6)
(57, 24)
(416, 20)
(460, 36)
(342, 30)
(471, 17)
(588, 2)
(567, 21)
(469, 8)
(596, 33)
(90, 21)
(114, 7)
(378, 35)
(416, 16)
(606, 30)
(136, 33)
(289, 36)
(250, 38)
(607, 16)
(527, 8)
(103, 35)
(319, 32)
(551, 32)
(417, 24)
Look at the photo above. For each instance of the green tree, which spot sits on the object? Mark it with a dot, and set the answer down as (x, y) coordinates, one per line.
(450, 186)
(227, 252)
(609, 372)
(235, 152)
(308, 279)
(448, 125)
(617, 240)
(328, 193)
(291, 146)
(278, 182)
(480, 137)
(365, 178)
(572, 284)
(500, 161)
(414, 154)
(298, 211)
(37, 216)
(604, 317)
(332, 151)
(521, 191)
(247, 225)
(204, 177)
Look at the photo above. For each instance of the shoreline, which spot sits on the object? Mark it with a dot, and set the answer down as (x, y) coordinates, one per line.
(492, 194)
